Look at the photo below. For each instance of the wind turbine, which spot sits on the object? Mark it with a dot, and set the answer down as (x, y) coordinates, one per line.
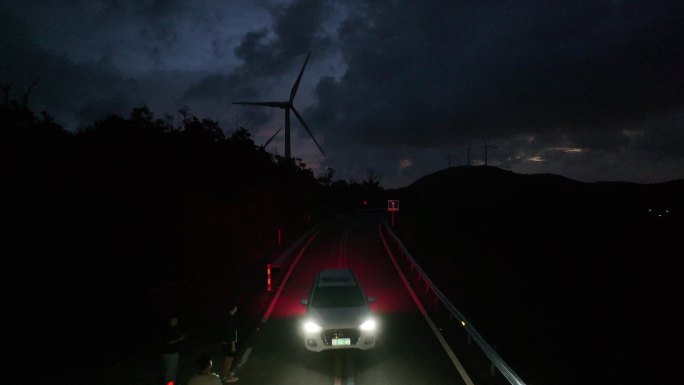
(271, 138)
(468, 149)
(486, 146)
(288, 106)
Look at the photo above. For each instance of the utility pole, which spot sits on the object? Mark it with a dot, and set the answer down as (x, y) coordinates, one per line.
(486, 146)
(469, 154)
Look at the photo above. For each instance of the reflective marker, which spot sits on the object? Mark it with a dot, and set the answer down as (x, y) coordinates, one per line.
(268, 276)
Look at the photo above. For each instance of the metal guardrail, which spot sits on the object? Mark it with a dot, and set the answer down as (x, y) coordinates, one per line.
(493, 356)
(283, 258)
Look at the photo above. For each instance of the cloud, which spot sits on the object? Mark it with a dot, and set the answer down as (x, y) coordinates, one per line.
(268, 53)
(76, 93)
(426, 72)
(95, 58)
(438, 75)
(396, 80)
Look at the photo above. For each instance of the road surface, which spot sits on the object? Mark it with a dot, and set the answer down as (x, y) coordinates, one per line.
(407, 352)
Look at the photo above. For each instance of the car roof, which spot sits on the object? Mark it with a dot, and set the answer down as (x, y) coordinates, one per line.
(336, 277)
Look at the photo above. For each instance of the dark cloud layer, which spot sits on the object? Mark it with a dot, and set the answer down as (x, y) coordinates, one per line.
(441, 75)
(266, 55)
(269, 53)
(74, 92)
(589, 89)
(458, 71)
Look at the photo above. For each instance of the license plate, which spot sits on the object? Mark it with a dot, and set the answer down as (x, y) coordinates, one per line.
(341, 341)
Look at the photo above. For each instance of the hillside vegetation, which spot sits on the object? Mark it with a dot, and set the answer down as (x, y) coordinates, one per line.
(572, 282)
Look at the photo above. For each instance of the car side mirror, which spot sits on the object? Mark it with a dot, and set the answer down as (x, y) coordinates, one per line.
(304, 301)
(371, 299)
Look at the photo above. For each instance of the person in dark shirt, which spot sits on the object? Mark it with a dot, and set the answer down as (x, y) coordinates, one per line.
(230, 345)
(170, 347)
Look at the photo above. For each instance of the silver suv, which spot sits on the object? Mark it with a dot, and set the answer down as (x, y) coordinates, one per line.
(337, 315)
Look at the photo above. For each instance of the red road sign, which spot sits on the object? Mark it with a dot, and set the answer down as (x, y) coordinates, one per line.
(393, 205)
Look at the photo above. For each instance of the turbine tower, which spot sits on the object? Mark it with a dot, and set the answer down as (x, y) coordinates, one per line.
(288, 106)
(468, 149)
(486, 147)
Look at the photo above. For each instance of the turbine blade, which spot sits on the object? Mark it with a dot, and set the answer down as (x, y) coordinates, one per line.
(274, 135)
(301, 120)
(299, 78)
(266, 104)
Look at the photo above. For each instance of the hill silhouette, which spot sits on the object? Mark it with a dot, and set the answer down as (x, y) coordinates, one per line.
(558, 274)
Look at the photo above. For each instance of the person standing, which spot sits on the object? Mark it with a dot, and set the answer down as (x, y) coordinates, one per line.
(230, 345)
(171, 345)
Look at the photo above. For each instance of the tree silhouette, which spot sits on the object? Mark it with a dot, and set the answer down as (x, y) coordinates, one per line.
(148, 216)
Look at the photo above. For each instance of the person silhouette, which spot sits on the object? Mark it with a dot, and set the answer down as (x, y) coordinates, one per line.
(204, 376)
(230, 345)
(170, 348)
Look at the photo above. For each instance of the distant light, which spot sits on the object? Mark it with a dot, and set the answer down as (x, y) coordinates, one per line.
(660, 215)
(649, 210)
(365, 203)
(667, 211)
(463, 323)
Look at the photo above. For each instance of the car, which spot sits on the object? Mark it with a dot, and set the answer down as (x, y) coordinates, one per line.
(338, 315)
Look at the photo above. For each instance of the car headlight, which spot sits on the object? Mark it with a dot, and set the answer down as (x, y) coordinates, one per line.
(368, 325)
(311, 327)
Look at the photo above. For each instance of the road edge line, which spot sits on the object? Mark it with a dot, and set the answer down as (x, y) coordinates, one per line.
(440, 337)
(267, 315)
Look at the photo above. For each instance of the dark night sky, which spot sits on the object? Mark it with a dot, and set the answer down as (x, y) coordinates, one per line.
(592, 90)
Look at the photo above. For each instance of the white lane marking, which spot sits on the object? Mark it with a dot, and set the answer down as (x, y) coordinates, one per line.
(342, 250)
(267, 315)
(346, 248)
(245, 357)
(440, 338)
(339, 251)
(349, 367)
(338, 370)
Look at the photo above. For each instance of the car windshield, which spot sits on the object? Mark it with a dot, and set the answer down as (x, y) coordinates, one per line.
(338, 296)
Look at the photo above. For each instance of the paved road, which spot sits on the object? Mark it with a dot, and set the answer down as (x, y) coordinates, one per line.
(407, 352)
